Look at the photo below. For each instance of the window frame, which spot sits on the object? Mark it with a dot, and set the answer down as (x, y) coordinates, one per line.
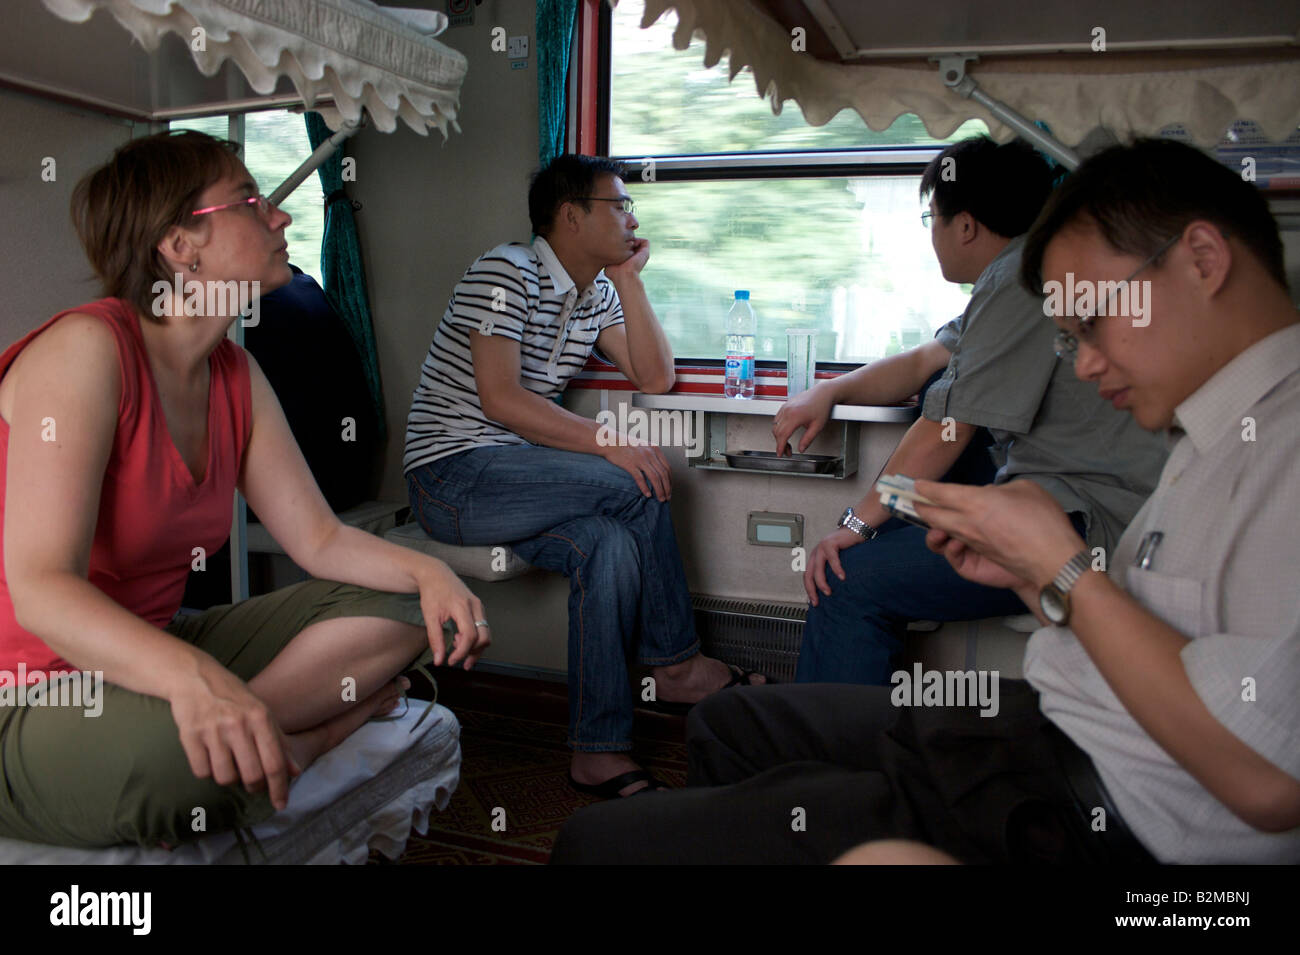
(594, 103)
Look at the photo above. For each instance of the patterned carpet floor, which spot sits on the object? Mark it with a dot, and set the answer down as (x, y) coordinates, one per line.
(514, 792)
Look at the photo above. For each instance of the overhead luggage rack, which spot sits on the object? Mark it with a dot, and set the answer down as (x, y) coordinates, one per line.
(1132, 68)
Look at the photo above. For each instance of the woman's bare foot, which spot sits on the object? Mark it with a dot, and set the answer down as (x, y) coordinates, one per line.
(592, 769)
(692, 680)
(309, 745)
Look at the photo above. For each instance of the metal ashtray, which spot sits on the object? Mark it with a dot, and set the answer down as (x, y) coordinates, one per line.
(790, 464)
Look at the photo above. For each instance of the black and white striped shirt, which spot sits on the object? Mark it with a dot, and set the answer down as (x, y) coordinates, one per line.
(521, 292)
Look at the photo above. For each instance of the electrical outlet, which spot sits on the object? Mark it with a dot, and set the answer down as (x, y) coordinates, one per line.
(775, 529)
(517, 47)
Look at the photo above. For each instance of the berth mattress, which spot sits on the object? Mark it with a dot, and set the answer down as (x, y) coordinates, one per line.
(368, 793)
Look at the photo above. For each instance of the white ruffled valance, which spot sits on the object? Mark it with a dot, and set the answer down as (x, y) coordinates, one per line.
(351, 51)
(1073, 95)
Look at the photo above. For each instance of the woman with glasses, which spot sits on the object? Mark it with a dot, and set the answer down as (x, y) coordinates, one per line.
(127, 424)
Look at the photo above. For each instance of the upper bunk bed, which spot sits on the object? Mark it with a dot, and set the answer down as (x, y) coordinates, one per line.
(204, 57)
(1126, 69)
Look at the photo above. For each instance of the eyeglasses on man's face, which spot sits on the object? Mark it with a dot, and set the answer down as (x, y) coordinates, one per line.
(625, 201)
(926, 218)
(1066, 343)
(263, 205)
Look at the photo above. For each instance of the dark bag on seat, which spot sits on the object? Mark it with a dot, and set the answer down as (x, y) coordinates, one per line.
(310, 360)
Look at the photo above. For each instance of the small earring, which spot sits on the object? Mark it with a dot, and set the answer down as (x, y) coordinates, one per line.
(194, 266)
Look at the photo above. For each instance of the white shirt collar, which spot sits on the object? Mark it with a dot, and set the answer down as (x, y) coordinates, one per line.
(560, 280)
(1217, 406)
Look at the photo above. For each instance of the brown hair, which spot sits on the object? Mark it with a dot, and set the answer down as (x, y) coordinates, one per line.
(123, 209)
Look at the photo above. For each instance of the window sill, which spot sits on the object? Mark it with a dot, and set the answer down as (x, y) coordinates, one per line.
(699, 388)
(769, 405)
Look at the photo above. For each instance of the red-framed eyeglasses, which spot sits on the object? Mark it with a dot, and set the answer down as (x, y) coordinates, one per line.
(263, 204)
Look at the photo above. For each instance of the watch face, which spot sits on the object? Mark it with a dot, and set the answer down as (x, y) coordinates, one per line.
(1056, 606)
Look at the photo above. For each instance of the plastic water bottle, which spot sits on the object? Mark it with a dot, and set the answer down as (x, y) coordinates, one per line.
(742, 325)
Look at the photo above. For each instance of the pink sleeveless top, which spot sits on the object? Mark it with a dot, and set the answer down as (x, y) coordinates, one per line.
(151, 513)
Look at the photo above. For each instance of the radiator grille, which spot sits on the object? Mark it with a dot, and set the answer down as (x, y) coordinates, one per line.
(756, 635)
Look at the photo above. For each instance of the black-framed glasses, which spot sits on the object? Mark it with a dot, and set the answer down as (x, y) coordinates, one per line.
(626, 201)
(263, 204)
(927, 218)
(1066, 343)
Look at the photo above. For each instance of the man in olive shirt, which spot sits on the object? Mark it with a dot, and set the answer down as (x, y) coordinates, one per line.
(1001, 374)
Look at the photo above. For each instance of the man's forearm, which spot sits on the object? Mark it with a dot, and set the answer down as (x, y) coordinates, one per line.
(923, 453)
(541, 421)
(649, 352)
(892, 379)
(1140, 657)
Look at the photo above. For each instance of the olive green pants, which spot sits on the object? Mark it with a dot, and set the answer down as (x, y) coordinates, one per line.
(122, 777)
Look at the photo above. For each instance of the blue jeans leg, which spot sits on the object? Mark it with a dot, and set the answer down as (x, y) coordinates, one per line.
(853, 635)
(603, 563)
(582, 516)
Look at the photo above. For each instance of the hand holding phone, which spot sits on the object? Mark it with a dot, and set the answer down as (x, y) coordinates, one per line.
(897, 494)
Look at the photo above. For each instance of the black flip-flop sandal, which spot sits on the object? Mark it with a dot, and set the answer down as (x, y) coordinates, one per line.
(739, 677)
(610, 788)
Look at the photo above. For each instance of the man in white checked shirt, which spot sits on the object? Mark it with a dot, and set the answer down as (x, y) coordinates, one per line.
(1162, 696)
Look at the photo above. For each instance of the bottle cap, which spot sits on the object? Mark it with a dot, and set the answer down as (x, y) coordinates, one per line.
(742, 293)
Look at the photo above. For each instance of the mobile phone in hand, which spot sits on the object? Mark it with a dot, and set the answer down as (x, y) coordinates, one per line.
(897, 494)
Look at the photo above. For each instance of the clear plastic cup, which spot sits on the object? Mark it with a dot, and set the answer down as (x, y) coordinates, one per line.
(801, 360)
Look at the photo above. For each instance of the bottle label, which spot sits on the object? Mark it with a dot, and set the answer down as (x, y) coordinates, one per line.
(742, 368)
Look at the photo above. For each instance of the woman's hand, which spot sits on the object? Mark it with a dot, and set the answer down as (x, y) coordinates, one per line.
(1010, 535)
(443, 596)
(229, 734)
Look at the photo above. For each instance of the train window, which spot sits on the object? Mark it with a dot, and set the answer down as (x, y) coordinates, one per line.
(822, 224)
(275, 144)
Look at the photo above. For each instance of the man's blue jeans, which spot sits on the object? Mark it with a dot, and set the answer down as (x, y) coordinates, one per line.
(586, 518)
(853, 635)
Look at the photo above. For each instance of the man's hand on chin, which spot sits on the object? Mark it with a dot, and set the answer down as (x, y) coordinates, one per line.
(633, 264)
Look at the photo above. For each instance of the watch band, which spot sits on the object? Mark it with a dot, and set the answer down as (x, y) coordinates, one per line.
(1054, 599)
(857, 525)
(1072, 571)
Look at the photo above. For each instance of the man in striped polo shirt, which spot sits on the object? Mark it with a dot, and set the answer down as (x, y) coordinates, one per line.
(491, 458)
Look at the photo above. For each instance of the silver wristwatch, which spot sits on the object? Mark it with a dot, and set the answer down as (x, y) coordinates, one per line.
(857, 525)
(1054, 599)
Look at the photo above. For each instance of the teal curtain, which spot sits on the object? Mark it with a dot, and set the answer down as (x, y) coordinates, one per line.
(345, 278)
(555, 19)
